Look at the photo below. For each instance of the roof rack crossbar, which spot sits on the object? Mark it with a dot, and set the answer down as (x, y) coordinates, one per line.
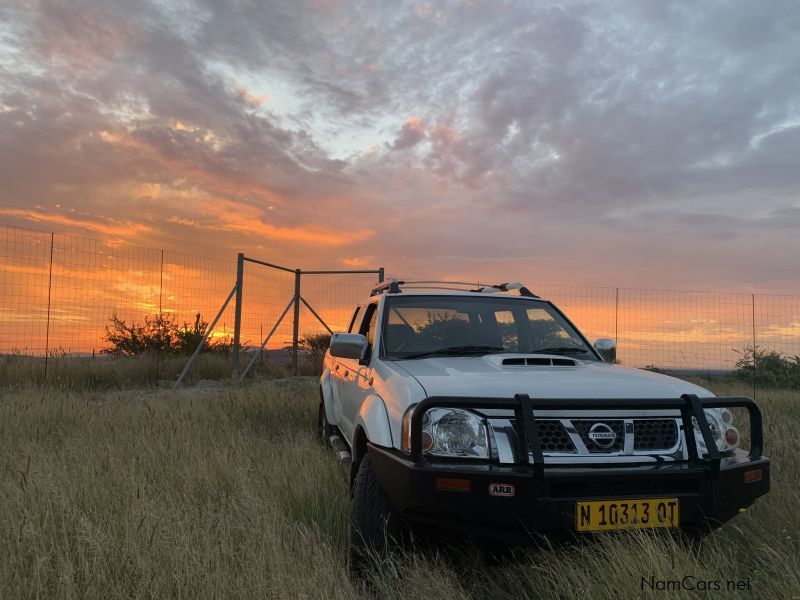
(436, 287)
(393, 286)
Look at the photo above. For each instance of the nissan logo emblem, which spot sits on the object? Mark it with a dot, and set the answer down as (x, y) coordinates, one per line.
(602, 436)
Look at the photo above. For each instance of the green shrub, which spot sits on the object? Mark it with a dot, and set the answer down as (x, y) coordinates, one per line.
(767, 368)
(312, 348)
(159, 334)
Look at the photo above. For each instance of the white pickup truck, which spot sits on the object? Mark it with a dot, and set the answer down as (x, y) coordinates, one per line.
(466, 407)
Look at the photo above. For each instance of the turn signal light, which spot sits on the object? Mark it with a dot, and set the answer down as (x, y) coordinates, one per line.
(752, 475)
(453, 485)
(732, 436)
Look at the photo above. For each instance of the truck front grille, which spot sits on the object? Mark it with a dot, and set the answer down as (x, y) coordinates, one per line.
(608, 436)
(654, 434)
(554, 437)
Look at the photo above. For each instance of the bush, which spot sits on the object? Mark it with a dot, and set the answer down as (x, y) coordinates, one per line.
(188, 337)
(767, 368)
(312, 348)
(159, 334)
(134, 339)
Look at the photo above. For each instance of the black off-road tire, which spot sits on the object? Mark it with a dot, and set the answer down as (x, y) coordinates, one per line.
(376, 527)
(324, 429)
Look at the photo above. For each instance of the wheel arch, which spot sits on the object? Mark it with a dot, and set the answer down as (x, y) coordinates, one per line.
(373, 418)
(326, 397)
(372, 426)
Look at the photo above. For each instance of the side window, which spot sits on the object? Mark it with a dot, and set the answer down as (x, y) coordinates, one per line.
(354, 320)
(368, 326)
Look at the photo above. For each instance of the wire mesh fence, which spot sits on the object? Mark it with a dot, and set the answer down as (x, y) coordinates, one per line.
(59, 292)
(333, 297)
(319, 302)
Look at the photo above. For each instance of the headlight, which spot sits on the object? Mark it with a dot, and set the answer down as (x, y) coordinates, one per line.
(449, 433)
(725, 434)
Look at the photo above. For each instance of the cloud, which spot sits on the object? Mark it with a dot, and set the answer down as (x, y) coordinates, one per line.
(251, 99)
(411, 133)
(106, 227)
(533, 139)
(225, 216)
(360, 262)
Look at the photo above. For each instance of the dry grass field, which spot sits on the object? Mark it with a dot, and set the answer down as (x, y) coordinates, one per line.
(227, 494)
(109, 373)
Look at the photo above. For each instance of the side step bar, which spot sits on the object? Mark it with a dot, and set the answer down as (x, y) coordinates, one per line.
(343, 450)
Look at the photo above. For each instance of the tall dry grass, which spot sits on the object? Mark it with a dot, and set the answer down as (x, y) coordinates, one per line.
(226, 493)
(103, 372)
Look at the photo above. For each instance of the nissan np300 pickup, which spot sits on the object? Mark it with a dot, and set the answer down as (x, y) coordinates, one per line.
(465, 407)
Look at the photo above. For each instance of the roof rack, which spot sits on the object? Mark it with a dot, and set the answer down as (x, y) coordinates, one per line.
(395, 286)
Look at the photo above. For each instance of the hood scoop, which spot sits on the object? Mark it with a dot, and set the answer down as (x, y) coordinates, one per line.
(538, 361)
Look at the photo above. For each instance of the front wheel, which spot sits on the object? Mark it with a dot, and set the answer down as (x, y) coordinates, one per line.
(376, 527)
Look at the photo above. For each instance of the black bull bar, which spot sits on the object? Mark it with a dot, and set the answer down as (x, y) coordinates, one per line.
(529, 449)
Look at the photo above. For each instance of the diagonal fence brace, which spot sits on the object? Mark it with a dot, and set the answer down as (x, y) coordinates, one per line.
(313, 312)
(204, 340)
(266, 339)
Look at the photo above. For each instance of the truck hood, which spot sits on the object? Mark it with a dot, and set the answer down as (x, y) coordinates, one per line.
(487, 376)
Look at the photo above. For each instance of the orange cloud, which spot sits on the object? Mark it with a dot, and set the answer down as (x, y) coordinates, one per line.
(230, 183)
(242, 218)
(126, 228)
(358, 262)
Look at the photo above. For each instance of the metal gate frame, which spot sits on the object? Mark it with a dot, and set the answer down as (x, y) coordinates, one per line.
(238, 374)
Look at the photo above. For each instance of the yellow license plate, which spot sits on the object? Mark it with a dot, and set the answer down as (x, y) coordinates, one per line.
(606, 515)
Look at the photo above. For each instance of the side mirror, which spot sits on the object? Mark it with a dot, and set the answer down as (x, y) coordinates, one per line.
(607, 350)
(348, 345)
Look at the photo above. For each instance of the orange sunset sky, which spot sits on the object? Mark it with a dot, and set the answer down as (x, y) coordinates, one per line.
(650, 145)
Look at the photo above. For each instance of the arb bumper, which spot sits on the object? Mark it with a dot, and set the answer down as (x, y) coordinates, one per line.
(511, 502)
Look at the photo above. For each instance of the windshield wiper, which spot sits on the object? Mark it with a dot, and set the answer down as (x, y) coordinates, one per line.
(560, 350)
(456, 351)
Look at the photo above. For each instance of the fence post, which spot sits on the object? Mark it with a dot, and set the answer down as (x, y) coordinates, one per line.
(296, 321)
(160, 315)
(49, 296)
(753, 300)
(380, 275)
(237, 324)
(616, 320)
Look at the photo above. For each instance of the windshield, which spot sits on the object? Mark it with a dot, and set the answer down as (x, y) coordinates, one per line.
(419, 326)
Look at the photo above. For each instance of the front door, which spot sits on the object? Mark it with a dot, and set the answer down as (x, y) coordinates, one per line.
(355, 377)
